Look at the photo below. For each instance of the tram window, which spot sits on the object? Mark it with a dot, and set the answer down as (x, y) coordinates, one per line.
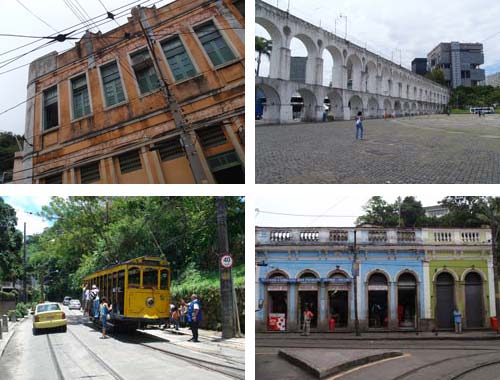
(150, 278)
(114, 288)
(164, 279)
(118, 308)
(121, 280)
(134, 279)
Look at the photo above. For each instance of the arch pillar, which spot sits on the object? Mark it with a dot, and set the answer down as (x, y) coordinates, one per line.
(318, 78)
(379, 85)
(292, 308)
(322, 315)
(393, 318)
(281, 68)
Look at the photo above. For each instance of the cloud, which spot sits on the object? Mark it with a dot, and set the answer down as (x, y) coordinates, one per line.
(26, 205)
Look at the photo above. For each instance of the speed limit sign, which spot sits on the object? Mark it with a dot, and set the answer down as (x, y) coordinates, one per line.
(226, 261)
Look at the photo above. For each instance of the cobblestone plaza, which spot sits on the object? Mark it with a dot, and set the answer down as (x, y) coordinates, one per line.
(426, 149)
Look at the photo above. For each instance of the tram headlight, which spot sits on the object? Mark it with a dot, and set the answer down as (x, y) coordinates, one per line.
(150, 302)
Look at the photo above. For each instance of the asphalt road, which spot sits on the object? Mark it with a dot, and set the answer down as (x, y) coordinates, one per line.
(429, 360)
(424, 149)
(80, 354)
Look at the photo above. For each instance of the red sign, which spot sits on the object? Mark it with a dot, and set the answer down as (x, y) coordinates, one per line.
(276, 322)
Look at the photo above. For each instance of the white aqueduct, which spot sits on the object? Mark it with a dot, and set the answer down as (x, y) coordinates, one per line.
(362, 80)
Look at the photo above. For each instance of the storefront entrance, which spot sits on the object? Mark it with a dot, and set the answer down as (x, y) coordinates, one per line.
(377, 301)
(308, 299)
(474, 310)
(277, 310)
(407, 301)
(339, 307)
(445, 300)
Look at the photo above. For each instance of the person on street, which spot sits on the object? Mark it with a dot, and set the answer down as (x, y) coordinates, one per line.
(175, 317)
(359, 125)
(182, 312)
(457, 318)
(104, 311)
(86, 301)
(308, 316)
(194, 317)
(94, 296)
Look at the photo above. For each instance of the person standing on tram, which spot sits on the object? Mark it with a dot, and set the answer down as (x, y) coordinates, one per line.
(94, 296)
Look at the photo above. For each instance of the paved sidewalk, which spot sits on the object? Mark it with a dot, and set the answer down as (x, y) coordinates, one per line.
(7, 336)
(441, 335)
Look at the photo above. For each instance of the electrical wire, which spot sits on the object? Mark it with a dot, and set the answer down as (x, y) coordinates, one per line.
(34, 14)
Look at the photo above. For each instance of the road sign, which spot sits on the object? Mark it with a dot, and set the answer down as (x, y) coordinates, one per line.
(226, 261)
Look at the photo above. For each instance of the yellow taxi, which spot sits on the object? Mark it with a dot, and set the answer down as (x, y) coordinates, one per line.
(49, 315)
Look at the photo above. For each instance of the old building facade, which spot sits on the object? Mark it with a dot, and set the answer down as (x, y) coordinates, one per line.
(98, 113)
(406, 279)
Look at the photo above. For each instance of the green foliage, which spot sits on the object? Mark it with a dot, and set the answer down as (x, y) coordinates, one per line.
(21, 310)
(436, 75)
(10, 243)
(11, 313)
(262, 47)
(8, 147)
(206, 287)
(90, 233)
(7, 296)
(480, 96)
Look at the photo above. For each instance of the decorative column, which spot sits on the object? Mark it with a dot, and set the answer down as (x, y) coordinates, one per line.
(292, 308)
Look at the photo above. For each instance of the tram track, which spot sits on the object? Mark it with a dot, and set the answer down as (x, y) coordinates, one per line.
(475, 368)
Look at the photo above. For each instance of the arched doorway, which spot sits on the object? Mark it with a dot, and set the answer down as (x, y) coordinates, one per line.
(336, 107)
(372, 108)
(445, 300)
(355, 106)
(387, 107)
(308, 297)
(338, 298)
(378, 301)
(354, 68)
(397, 107)
(267, 104)
(474, 307)
(305, 106)
(407, 301)
(277, 302)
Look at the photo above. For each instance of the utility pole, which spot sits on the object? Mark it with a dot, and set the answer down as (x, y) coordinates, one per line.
(355, 273)
(24, 265)
(187, 135)
(229, 320)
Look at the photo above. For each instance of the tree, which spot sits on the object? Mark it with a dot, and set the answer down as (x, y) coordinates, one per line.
(436, 75)
(8, 147)
(412, 213)
(10, 243)
(262, 47)
(379, 212)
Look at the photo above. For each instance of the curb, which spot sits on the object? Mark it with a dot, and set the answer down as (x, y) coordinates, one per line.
(322, 373)
(430, 338)
(11, 334)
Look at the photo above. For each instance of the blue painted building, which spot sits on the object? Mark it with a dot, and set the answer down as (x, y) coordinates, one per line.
(323, 268)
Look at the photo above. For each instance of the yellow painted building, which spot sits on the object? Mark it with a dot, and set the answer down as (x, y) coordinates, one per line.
(97, 113)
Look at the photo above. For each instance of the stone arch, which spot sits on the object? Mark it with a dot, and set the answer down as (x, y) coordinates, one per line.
(371, 77)
(338, 63)
(445, 270)
(387, 107)
(386, 81)
(270, 110)
(355, 105)
(397, 107)
(414, 108)
(336, 105)
(354, 68)
(308, 271)
(406, 270)
(277, 39)
(377, 271)
(406, 108)
(472, 270)
(277, 272)
(312, 110)
(311, 75)
(372, 108)
(338, 271)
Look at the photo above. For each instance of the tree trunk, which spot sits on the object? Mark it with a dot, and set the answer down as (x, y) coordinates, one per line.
(258, 63)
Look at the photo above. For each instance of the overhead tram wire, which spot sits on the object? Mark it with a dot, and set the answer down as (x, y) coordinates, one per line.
(110, 15)
(77, 13)
(35, 15)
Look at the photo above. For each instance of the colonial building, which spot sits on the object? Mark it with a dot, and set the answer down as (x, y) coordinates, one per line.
(406, 279)
(100, 112)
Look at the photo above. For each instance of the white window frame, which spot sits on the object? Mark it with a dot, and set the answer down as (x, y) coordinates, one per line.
(228, 41)
(101, 84)
(70, 94)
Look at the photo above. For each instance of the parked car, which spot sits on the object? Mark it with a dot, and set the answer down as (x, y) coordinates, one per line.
(49, 315)
(75, 304)
(66, 301)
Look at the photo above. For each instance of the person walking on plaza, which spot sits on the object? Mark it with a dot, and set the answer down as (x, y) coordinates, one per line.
(359, 125)
(457, 318)
(308, 316)
(104, 311)
(194, 317)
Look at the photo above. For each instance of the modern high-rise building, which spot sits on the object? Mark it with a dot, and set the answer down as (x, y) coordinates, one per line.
(493, 80)
(460, 63)
(419, 66)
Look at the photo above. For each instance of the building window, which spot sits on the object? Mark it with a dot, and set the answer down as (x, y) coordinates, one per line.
(50, 108)
(240, 6)
(171, 149)
(113, 90)
(178, 59)
(81, 102)
(211, 136)
(90, 173)
(214, 45)
(144, 71)
(53, 179)
(226, 167)
(129, 162)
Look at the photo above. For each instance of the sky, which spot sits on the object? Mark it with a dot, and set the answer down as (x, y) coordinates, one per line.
(397, 28)
(14, 19)
(327, 208)
(26, 205)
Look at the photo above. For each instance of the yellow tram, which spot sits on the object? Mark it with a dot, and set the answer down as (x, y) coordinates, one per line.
(138, 289)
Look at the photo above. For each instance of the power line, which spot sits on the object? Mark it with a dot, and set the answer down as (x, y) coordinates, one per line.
(33, 14)
(110, 15)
